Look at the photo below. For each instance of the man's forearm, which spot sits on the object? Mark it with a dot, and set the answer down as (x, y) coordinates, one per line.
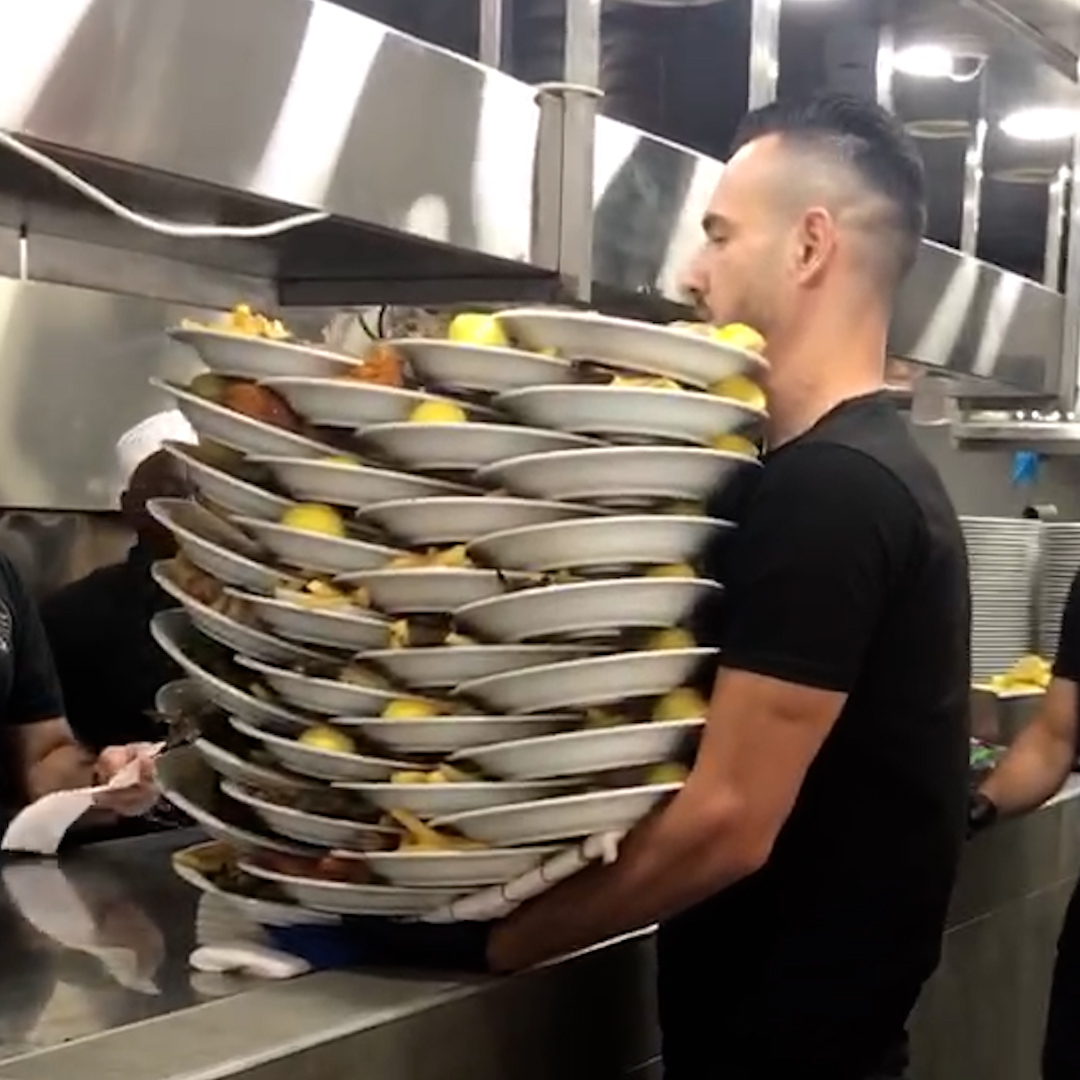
(1033, 770)
(670, 862)
(68, 765)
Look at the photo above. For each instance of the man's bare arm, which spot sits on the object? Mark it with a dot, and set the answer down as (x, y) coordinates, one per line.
(761, 737)
(1042, 756)
(50, 758)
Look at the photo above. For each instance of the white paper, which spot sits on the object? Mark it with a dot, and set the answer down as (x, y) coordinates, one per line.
(40, 827)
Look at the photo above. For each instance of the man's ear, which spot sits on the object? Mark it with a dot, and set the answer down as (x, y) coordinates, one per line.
(815, 245)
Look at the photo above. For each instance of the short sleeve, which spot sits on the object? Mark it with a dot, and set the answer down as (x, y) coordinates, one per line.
(823, 547)
(35, 690)
(1067, 662)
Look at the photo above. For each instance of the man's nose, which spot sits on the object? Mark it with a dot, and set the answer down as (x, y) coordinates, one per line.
(693, 283)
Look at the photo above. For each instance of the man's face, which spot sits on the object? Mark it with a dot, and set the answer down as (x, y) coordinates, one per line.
(741, 273)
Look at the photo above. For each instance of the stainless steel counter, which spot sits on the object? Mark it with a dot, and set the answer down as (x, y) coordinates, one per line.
(94, 980)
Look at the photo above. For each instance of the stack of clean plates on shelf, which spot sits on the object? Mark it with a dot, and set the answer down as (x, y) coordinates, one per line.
(1003, 555)
(1059, 564)
(438, 627)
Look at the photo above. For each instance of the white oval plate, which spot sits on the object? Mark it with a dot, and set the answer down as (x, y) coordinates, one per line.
(353, 485)
(244, 356)
(463, 448)
(329, 627)
(171, 629)
(230, 632)
(566, 612)
(431, 590)
(188, 782)
(331, 765)
(598, 544)
(582, 753)
(620, 476)
(233, 767)
(423, 868)
(446, 734)
(480, 369)
(305, 828)
(342, 898)
(569, 817)
(442, 667)
(349, 403)
(261, 912)
(213, 546)
(328, 697)
(457, 519)
(232, 494)
(678, 354)
(581, 684)
(631, 413)
(433, 800)
(317, 553)
(239, 432)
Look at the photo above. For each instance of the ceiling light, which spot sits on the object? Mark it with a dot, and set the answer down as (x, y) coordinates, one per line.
(1041, 123)
(925, 61)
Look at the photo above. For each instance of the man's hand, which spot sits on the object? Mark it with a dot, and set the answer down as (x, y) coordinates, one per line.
(136, 798)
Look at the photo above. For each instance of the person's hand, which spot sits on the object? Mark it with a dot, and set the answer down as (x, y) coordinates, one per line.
(139, 797)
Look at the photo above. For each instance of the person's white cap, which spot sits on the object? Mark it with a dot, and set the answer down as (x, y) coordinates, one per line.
(148, 437)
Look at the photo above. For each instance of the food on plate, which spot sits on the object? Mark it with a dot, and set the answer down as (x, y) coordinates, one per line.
(217, 862)
(677, 570)
(247, 398)
(331, 867)
(207, 590)
(651, 382)
(315, 518)
(411, 709)
(602, 718)
(471, 328)
(382, 364)
(425, 632)
(674, 637)
(438, 412)
(320, 801)
(684, 703)
(417, 835)
(246, 322)
(319, 595)
(444, 774)
(670, 772)
(455, 558)
(740, 388)
(735, 444)
(739, 335)
(339, 459)
(325, 737)
(1028, 673)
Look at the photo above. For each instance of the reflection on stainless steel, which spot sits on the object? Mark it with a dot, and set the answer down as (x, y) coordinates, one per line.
(974, 171)
(764, 52)
(315, 122)
(1057, 208)
(94, 942)
(963, 315)
(74, 366)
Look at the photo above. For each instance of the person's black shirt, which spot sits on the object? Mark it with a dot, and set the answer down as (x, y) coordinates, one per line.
(109, 666)
(1067, 661)
(848, 573)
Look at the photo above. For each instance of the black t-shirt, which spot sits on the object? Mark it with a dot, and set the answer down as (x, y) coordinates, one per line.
(848, 572)
(1067, 662)
(29, 691)
(109, 665)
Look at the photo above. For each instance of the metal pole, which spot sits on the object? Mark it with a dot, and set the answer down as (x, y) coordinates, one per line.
(1058, 193)
(764, 52)
(974, 155)
(1070, 346)
(581, 77)
(492, 21)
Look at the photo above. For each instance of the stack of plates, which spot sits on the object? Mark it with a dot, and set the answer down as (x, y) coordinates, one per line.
(485, 662)
(1060, 563)
(1003, 554)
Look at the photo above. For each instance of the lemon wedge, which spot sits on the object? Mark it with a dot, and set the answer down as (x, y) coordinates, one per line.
(684, 703)
(471, 328)
(324, 737)
(315, 518)
(438, 412)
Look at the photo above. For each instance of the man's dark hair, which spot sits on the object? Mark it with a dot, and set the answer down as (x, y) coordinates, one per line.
(871, 142)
